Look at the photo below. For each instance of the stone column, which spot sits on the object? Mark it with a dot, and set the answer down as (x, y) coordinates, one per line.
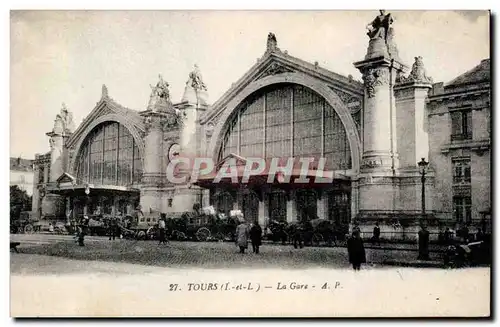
(46, 173)
(152, 179)
(412, 117)
(56, 156)
(321, 207)
(35, 203)
(262, 213)
(378, 178)
(291, 207)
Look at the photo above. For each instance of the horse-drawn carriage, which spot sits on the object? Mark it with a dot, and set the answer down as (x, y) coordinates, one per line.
(207, 226)
(315, 232)
(26, 223)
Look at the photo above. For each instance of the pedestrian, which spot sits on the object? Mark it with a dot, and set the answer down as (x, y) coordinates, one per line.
(81, 236)
(161, 229)
(423, 243)
(256, 237)
(112, 228)
(242, 235)
(298, 240)
(356, 250)
(376, 234)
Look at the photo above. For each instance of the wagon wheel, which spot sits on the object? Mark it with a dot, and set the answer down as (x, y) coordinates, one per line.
(203, 234)
(141, 235)
(317, 239)
(28, 229)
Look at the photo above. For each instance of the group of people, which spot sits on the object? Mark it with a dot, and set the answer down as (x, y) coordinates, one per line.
(244, 232)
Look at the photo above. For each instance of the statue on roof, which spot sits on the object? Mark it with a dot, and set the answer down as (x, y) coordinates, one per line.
(64, 121)
(196, 80)
(417, 74)
(67, 118)
(272, 42)
(159, 94)
(161, 89)
(380, 27)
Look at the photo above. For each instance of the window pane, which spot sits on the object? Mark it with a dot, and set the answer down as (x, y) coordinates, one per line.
(456, 123)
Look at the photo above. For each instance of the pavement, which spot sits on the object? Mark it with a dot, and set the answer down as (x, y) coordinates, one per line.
(53, 286)
(213, 254)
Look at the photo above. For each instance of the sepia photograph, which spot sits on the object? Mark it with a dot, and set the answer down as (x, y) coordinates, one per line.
(293, 163)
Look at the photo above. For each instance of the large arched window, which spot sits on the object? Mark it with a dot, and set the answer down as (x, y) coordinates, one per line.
(287, 120)
(109, 156)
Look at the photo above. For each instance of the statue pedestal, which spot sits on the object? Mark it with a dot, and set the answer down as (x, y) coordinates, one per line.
(376, 48)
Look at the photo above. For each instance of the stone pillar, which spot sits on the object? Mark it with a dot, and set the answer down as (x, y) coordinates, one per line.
(291, 207)
(152, 179)
(262, 213)
(56, 156)
(46, 174)
(35, 203)
(378, 179)
(412, 117)
(321, 204)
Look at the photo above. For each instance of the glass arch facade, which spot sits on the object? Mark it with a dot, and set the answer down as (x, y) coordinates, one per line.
(287, 120)
(109, 156)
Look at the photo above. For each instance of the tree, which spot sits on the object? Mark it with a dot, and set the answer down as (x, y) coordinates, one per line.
(19, 201)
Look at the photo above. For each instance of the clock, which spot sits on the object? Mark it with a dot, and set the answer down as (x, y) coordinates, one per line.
(174, 151)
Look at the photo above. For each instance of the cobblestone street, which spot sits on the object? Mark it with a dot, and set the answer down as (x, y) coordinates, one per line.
(205, 254)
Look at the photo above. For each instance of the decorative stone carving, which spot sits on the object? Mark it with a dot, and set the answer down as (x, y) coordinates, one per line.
(374, 77)
(63, 123)
(351, 101)
(417, 74)
(196, 80)
(173, 120)
(272, 43)
(160, 96)
(152, 122)
(274, 69)
(209, 129)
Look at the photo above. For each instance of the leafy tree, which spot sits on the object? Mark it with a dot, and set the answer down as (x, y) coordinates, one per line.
(19, 201)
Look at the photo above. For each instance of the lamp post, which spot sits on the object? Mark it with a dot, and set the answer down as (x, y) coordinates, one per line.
(423, 234)
(422, 166)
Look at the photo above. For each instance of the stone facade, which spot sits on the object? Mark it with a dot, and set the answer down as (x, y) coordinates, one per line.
(390, 120)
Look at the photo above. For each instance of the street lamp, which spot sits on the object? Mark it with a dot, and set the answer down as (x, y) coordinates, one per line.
(423, 234)
(422, 166)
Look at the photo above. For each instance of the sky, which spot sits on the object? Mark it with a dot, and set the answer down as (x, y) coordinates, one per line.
(66, 56)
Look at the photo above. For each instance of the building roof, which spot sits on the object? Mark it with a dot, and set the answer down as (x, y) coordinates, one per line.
(480, 73)
(20, 164)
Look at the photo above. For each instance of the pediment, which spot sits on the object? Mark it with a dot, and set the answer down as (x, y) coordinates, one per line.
(66, 178)
(107, 106)
(278, 62)
(239, 160)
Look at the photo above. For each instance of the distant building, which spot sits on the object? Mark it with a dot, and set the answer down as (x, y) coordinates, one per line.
(21, 174)
(460, 126)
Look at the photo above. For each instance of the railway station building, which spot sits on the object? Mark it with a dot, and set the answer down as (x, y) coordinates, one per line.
(371, 133)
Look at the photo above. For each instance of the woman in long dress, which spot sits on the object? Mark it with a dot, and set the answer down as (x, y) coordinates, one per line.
(242, 235)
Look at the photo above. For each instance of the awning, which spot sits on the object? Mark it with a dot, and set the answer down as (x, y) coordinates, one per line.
(297, 179)
(92, 189)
